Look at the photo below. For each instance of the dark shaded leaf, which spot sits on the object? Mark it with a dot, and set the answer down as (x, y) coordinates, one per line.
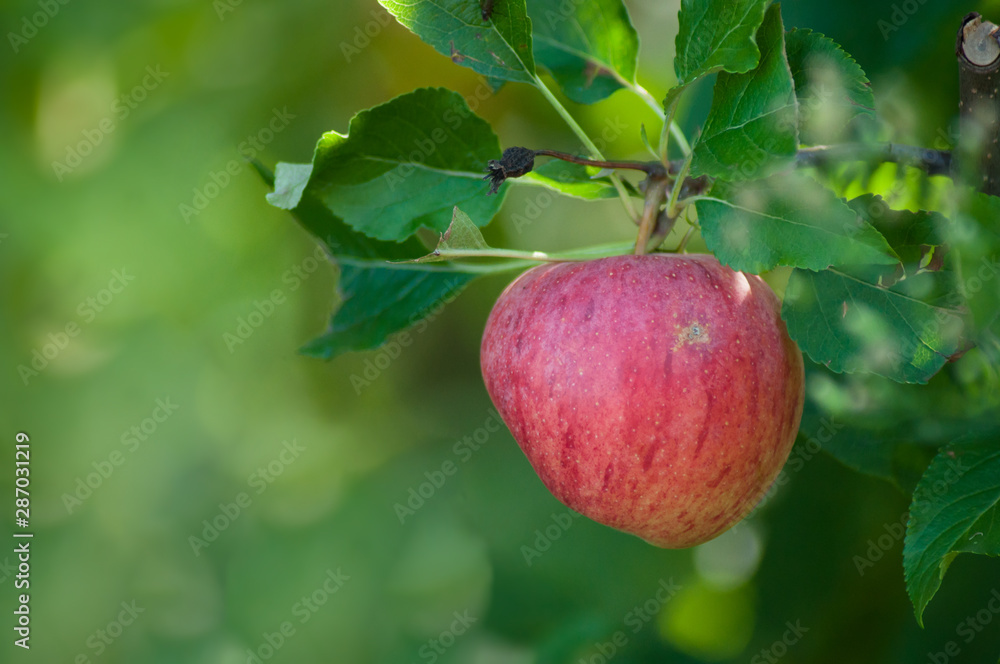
(590, 48)
(376, 298)
(832, 89)
(955, 507)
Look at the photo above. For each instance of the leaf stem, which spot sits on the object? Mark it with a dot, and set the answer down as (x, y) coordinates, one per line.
(657, 107)
(673, 99)
(684, 202)
(681, 139)
(414, 266)
(678, 185)
(644, 95)
(532, 257)
(589, 144)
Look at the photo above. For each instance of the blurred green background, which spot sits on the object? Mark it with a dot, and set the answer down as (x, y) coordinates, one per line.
(247, 504)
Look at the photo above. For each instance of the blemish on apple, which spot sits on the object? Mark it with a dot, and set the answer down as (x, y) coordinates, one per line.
(695, 333)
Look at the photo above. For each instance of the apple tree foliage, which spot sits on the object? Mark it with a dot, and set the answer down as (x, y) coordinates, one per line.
(895, 300)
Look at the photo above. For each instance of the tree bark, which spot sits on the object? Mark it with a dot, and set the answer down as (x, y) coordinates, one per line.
(978, 152)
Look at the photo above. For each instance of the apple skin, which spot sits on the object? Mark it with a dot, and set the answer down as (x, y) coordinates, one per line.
(659, 395)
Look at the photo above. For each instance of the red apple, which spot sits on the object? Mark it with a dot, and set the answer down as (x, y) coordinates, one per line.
(658, 394)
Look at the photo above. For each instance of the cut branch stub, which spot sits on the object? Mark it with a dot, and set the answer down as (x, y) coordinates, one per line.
(978, 152)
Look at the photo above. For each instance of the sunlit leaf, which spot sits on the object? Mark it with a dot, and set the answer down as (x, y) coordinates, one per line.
(916, 237)
(462, 235)
(786, 220)
(499, 48)
(844, 319)
(407, 164)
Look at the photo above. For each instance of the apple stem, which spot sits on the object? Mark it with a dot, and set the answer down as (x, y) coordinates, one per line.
(656, 194)
(664, 224)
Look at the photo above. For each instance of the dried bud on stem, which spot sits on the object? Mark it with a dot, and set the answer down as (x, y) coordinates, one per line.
(514, 163)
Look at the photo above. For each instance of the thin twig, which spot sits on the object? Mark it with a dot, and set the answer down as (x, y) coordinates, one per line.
(934, 162)
(623, 193)
(651, 168)
(519, 161)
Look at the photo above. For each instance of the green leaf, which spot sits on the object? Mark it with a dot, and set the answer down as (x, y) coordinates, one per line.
(903, 229)
(376, 298)
(880, 454)
(499, 48)
(974, 233)
(380, 301)
(462, 235)
(831, 87)
(885, 450)
(927, 272)
(844, 319)
(897, 461)
(407, 164)
(895, 430)
(751, 131)
(954, 507)
(788, 220)
(716, 35)
(571, 179)
(290, 181)
(590, 48)
(916, 237)
(984, 536)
